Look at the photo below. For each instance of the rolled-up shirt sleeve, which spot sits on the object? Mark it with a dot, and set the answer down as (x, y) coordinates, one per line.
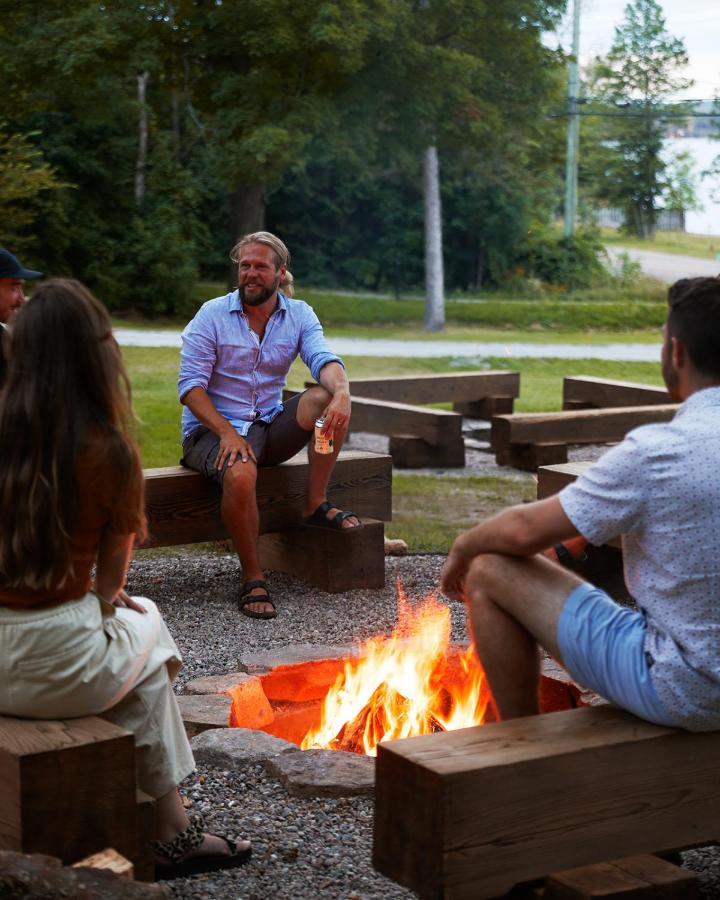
(198, 354)
(313, 347)
(608, 499)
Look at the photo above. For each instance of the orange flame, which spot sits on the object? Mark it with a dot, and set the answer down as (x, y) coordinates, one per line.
(403, 685)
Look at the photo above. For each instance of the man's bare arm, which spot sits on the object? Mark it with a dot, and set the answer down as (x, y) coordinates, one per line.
(521, 530)
(232, 444)
(337, 415)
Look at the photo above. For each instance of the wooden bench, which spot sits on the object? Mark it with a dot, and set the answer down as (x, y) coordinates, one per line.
(529, 440)
(480, 395)
(468, 814)
(418, 436)
(183, 507)
(587, 392)
(421, 437)
(67, 788)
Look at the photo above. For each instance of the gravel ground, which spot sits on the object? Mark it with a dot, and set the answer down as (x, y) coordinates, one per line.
(303, 848)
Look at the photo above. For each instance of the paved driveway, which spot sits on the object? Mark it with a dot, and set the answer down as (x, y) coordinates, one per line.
(668, 267)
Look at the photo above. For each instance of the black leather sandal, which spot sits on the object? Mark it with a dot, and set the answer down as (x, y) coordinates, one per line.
(320, 520)
(246, 597)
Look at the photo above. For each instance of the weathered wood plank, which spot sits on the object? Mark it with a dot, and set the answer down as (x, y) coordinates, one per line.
(434, 426)
(588, 426)
(586, 391)
(633, 876)
(183, 507)
(338, 560)
(469, 813)
(67, 787)
(439, 388)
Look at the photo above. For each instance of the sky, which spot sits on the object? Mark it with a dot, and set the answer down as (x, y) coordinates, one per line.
(697, 22)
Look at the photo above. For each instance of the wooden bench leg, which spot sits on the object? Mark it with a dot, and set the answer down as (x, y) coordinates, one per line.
(334, 560)
(485, 408)
(410, 452)
(529, 456)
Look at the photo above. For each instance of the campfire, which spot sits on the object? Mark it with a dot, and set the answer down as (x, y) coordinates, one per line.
(403, 685)
(412, 682)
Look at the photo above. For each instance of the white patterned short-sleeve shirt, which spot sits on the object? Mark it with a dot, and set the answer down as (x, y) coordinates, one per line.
(660, 490)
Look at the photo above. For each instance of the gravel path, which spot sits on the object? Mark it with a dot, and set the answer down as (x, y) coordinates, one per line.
(303, 848)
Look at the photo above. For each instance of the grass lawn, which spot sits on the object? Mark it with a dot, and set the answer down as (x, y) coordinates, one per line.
(702, 245)
(153, 373)
(422, 515)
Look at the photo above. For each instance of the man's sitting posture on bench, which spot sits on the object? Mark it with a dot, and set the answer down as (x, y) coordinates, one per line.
(659, 489)
(236, 355)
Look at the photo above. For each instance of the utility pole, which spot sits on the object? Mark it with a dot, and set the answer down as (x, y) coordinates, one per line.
(573, 132)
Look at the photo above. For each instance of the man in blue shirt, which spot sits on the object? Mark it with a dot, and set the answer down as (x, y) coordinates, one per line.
(660, 490)
(234, 362)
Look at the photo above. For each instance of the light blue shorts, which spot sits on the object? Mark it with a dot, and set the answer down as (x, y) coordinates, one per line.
(602, 646)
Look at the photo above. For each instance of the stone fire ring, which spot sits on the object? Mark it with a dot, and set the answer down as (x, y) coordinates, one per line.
(205, 708)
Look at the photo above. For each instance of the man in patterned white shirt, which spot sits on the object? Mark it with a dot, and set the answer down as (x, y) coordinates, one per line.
(660, 490)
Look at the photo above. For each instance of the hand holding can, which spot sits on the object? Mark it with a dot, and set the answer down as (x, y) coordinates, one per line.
(323, 442)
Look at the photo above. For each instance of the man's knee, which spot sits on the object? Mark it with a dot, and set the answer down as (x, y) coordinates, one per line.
(316, 399)
(239, 482)
(485, 573)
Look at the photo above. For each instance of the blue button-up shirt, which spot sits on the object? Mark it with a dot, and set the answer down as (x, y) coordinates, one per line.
(242, 374)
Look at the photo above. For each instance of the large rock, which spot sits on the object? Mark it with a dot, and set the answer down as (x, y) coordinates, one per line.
(324, 773)
(45, 878)
(204, 711)
(260, 662)
(215, 684)
(234, 748)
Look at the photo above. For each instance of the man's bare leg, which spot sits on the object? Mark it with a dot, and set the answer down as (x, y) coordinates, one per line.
(239, 513)
(515, 604)
(311, 405)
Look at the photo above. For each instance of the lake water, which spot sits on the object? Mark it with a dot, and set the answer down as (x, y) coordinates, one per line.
(703, 151)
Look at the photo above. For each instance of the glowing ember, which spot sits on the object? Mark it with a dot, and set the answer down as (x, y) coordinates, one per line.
(403, 685)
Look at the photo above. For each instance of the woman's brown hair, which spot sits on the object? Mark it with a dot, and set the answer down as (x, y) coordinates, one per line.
(66, 386)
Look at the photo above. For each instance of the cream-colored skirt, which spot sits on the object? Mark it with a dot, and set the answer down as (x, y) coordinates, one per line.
(87, 657)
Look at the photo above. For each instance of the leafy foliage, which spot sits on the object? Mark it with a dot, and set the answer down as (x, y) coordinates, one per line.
(626, 166)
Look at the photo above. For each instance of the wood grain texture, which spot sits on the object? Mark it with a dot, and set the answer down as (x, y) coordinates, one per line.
(183, 507)
(590, 426)
(586, 392)
(469, 813)
(439, 388)
(334, 561)
(67, 787)
(643, 876)
(435, 426)
(410, 452)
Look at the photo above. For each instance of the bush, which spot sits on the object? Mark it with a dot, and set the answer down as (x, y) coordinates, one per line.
(570, 262)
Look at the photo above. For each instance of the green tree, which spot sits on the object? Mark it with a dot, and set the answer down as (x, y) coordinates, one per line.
(25, 177)
(635, 84)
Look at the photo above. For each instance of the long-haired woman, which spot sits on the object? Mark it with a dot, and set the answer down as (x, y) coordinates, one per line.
(71, 499)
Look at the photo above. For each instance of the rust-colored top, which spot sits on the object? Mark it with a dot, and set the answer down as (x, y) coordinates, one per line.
(102, 505)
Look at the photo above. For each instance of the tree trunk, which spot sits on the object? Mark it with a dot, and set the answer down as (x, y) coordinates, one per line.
(434, 296)
(141, 161)
(247, 214)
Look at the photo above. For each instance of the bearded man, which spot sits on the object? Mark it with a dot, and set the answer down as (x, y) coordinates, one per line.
(235, 358)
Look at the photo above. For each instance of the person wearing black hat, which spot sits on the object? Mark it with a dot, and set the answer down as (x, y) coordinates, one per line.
(12, 278)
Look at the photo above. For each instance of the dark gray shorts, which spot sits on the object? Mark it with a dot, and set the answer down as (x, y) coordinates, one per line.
(272, 442)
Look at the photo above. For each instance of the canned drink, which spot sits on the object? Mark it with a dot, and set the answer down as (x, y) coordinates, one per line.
(323, 442)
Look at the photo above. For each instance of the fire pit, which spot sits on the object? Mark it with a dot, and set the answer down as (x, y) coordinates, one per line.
(409, 683)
